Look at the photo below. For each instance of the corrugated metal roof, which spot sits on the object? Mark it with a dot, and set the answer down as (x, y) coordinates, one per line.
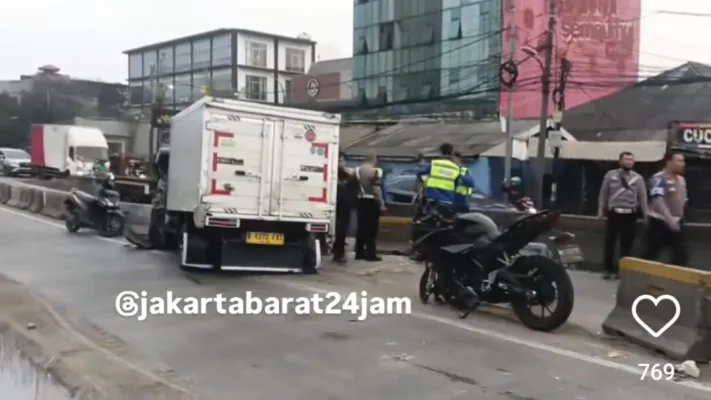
(410, 139)
(352, 134)
(642, 111)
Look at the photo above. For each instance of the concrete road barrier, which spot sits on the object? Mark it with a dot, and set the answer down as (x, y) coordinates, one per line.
(16, 193)
(54, 204)
(36, 200)
(687, 338)
(5, 189)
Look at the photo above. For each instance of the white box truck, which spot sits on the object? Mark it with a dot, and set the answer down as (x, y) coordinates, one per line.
(246, 186)
(66, 150)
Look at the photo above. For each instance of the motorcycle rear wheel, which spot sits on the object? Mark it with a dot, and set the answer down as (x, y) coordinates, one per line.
(546, 274)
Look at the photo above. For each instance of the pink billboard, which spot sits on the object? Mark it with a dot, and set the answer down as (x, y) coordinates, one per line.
(599, 37)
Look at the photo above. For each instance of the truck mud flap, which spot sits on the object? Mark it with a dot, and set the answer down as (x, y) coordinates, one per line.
(137, 237)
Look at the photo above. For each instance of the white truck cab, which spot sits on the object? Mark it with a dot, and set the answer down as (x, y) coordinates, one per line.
(66, 150)
(252, 186)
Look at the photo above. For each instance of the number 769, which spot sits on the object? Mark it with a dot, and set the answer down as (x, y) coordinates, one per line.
(657, 372)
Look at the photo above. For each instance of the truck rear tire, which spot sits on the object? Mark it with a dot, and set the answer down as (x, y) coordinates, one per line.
(312, 255)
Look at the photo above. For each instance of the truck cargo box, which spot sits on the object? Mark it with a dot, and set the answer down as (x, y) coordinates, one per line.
(254, 161)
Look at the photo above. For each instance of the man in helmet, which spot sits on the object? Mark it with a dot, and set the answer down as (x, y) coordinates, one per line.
(443, 175)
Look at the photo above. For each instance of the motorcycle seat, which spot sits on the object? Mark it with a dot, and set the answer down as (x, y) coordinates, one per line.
(83, 196)
(109, 193)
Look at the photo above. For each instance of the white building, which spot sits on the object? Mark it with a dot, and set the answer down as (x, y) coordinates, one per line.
(251, 65)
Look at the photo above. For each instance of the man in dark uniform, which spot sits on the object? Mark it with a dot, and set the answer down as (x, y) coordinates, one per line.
(347, 197)
(666, 211)
(370, 206)
(623, 198)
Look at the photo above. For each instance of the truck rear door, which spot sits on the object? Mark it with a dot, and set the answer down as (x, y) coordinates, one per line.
(239, 157)
(304, 157)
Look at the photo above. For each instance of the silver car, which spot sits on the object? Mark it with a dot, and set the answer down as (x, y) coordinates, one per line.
(14, 162)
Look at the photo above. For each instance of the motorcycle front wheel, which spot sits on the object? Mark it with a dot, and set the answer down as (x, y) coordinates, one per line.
(72, 222)
(113, 226)
(427, 282)
(554, 293)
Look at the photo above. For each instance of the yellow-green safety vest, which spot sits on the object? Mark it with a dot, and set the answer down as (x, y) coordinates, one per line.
(443, 175)
(462, 189)
(379, 171)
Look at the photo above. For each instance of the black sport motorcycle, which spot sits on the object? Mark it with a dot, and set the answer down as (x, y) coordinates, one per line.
(101, 213)
(468, 260)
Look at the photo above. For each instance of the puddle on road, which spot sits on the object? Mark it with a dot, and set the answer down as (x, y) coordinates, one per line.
(20, 379)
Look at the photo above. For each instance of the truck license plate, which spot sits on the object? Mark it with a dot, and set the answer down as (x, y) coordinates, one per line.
(265, 238)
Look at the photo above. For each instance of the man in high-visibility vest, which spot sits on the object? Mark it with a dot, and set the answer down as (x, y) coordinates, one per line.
(463, 190)
(443, 175)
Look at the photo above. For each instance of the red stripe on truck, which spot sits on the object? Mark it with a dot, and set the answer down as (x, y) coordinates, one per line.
(37, 145)
(219, 135)
(324, 194)
(217, 191)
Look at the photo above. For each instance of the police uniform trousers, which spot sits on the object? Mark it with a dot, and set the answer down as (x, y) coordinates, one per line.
(621, 228)
(343, 219)
(660, 237)
(368, 226)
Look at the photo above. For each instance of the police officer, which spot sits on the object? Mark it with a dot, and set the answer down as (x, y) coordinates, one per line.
(666, 211)
(464, 188)
(370, 206)
(346, 200)
(443, 174)
(623, 198)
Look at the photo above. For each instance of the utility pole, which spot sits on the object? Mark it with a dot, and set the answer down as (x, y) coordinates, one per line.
(509, 107)
(546, 92)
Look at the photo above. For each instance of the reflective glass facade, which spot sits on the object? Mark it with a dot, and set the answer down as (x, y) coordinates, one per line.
(414, 49)
(185, 66)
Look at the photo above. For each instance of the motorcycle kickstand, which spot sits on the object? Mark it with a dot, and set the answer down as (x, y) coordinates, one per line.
(475, 304)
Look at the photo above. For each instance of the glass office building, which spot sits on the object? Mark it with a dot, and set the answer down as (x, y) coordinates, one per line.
(418, 49)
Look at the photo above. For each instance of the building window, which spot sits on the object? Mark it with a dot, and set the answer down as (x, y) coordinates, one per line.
(362, 45)
(149, 63)
(147, 91)
(183, 58)
(183, 89)
(222, 82)
(428, 36)
(455, 24)
(201, 54)
(387, 36)
(165, 61)
(222, 51)
(135, 93)
(454, 76)
(257, 54)
(201, 83)
(287, 90)
(135, 66)
(167, 87)
(295, 60)
(256, 87)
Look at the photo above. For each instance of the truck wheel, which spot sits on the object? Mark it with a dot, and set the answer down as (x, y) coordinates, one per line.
(325, 245)
(312, 255)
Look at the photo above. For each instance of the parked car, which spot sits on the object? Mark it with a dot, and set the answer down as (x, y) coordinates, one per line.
(14, 162)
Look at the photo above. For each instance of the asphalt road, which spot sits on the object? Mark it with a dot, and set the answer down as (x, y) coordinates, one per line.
(428, 355)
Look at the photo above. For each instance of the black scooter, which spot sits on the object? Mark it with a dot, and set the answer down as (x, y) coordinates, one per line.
(101, 213)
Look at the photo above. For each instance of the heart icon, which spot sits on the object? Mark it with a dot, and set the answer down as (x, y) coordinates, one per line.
(656, 301)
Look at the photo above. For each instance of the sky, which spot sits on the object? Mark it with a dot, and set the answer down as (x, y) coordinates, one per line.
(86, 38)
